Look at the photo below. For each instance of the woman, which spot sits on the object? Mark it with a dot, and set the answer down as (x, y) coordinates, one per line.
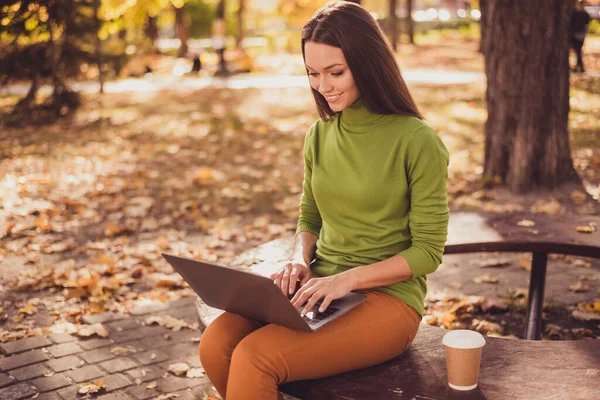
(374, 218)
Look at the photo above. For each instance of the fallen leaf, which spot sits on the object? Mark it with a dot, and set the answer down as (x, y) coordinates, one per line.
(195, 373)
(167, 396)
(494, 305)
(152, 385)
(488, 263)
(579, 287)
(121, 350)
(586, 315)
(88, 388)
(168, 322)
(593, 307)
(94, 329)
(194, 339)
(590, 228)
(486, 327)
(554, 332)
(179, 369)
(486, 279)
(526, 222)
(582, 263)
(430, 319)
(552, 207)
(28, 309)
(578, 197)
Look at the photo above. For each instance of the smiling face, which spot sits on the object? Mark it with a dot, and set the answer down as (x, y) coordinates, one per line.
(330, 75)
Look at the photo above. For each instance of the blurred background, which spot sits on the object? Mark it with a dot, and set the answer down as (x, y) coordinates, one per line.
(131, 127)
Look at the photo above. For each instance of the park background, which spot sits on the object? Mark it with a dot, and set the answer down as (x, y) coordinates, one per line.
(127, 130)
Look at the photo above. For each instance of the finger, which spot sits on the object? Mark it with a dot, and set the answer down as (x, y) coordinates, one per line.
(311, 303)
(277, 280)
(302, 295)
(285, 279)
(305, 277)
(326, 302)
(293, 280)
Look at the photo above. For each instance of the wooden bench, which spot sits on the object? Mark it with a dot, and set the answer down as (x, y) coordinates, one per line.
(520, 369)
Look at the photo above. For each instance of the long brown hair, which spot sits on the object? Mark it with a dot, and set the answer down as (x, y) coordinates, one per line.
(369, 55)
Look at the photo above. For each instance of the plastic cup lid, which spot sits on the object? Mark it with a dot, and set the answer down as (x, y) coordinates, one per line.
(463, 339)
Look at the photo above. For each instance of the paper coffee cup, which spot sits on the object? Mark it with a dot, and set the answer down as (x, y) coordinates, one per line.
(463, 357)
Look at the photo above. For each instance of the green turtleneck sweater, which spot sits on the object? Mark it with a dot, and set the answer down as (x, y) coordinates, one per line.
(374, 187)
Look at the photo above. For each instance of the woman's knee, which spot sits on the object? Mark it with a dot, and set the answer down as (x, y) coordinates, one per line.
(222, 336)
(257, 353)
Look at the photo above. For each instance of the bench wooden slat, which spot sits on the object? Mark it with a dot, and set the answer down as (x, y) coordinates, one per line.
(525, 247)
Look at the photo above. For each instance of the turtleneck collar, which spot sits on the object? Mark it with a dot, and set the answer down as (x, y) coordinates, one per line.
(358, 118)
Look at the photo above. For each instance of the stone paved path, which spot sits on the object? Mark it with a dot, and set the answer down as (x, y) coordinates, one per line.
(52, 367)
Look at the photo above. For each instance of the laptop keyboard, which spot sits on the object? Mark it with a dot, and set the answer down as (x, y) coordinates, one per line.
(316, 316)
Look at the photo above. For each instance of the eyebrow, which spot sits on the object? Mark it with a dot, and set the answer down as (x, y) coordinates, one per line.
(329, 67)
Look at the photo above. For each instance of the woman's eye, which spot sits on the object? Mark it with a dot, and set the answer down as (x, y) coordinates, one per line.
(337, 73)
(312, 74)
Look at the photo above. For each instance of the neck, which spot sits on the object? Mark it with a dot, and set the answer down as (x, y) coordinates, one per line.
(357, 117)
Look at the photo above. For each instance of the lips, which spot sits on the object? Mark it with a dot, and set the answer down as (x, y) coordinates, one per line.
(333, 98)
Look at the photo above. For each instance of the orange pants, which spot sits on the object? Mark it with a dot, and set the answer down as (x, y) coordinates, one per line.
(246, 359)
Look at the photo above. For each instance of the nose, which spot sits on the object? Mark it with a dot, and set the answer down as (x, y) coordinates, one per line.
(324, 85)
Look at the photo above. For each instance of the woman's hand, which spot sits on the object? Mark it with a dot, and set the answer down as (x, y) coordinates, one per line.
(295, 270)
(327, 288)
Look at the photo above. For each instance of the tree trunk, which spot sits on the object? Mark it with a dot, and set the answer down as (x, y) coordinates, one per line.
(152, 31)
(240, 23)
(527, 142)
(181, 30)
(410, 22)
(222, 70)
(99, 45)
(29, 99)
(393, 26)
(483, 41)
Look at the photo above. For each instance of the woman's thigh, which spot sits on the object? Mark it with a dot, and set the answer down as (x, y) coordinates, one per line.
(377, 330)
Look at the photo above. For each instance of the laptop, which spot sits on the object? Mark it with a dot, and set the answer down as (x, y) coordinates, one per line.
(254, 296)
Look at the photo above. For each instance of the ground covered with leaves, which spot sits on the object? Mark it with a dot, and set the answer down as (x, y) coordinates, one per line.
(88, 203)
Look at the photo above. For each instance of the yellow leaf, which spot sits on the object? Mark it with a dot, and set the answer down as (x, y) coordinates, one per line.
(547, 207)
(594, 308)
(152, 385)
(29, 309)
(526, 222)
(590, 228)
(120, 350)
(87, 388)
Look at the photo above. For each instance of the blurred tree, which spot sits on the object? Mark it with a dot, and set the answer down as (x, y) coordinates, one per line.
(410, 22)
(482, 25)
(201, 15)
(240, 22)
(98, 47)
(527, 139)
(47, 39)
(181, 27)
(393, 24)
(219, 38)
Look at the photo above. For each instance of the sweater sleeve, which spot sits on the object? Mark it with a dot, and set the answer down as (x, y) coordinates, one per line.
(310, 217)
(426, 160)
